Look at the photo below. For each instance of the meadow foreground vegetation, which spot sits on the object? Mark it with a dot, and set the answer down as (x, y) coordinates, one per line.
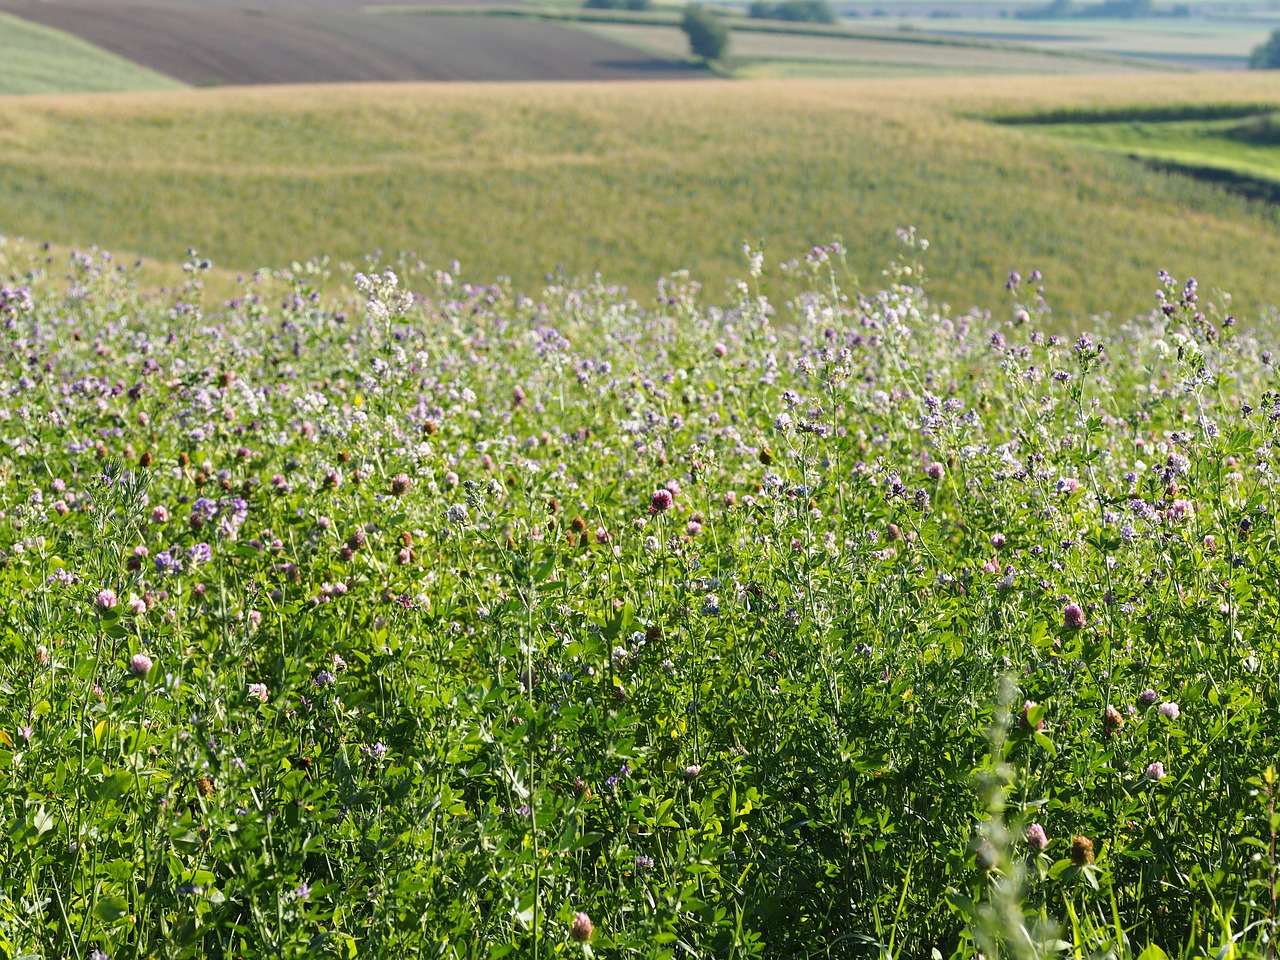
(440, 620)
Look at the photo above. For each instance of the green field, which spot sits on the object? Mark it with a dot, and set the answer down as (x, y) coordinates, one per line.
(666, 580)
(39, 60)
(635, 180)
(1243, 152)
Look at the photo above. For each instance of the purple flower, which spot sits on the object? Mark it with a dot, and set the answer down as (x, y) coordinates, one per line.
(1155, 771)
(1169, 710)
(1037, 839)
(582, 928)
(1073, 616)
(106, 599)
(661, 501)
(200, 553)
(166, 562)
(204, 508)
(1148, 697)
(234, 514)
(140, 664)
(644, 862)
(303, 892)
(691, 772)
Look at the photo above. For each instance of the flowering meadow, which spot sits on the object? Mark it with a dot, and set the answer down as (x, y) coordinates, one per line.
(813, 620)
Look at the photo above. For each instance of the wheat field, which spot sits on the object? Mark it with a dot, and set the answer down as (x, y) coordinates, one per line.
(639, 179)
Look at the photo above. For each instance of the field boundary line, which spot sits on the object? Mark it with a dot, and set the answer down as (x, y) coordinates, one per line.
(747, 25)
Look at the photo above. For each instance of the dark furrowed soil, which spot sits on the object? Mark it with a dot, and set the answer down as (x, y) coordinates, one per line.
(331, 42)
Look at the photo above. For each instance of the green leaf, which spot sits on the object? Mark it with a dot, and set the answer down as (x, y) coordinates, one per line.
(42, 821)
(114, 786)
(1059, 868)
(110, 909)
(1046, 744)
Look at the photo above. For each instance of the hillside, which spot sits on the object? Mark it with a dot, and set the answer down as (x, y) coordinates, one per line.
(37, 59)
(638, 179)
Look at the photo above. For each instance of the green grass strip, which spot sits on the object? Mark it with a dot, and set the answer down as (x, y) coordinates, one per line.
(39, 59)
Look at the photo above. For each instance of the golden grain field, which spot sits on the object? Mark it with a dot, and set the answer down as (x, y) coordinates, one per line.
(634, 180)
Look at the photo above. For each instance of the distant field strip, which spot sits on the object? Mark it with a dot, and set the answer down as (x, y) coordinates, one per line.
(906, 35)
(1216, 44)
(37, 59)
(1241, 153)
(871, 53)
(213, 45)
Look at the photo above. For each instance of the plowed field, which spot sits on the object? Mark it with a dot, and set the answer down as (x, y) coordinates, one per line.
(209, 44)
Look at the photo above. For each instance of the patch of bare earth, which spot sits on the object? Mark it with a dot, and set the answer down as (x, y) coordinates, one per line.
(333, 42)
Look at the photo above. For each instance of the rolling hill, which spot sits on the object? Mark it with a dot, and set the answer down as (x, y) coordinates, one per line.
(37, 59)
(637, 179)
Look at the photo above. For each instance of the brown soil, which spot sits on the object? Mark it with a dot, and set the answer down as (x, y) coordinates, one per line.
(332, 41)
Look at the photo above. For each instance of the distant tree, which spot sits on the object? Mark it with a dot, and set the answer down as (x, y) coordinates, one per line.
(618, 4)
(798, 11)
(1266, 56)
(1055, 10)
(708, 35)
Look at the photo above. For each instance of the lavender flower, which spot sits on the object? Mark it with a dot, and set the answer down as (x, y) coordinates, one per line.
(581, 929)
(1037, 839)
(167, 562)
(1073, 616)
